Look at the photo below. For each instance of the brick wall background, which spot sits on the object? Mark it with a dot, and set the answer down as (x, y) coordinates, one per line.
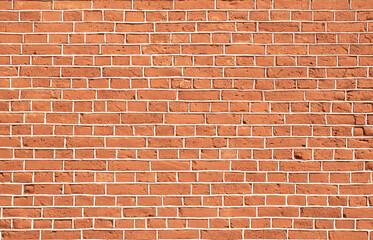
(223, 119)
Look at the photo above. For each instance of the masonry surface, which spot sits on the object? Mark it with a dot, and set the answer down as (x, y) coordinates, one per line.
(201, 119)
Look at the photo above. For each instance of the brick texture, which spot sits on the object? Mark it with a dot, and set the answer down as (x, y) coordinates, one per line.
(178, 119)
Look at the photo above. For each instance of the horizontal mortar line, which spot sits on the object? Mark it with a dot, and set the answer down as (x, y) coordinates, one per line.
(193, 170)
(186, 21)
(358, 11)
(188, 66)
(188, 137)
(228, 89)
(181, 54)
(244, 101)
(169, 229)
(189, 113)
(185, 206)
(180, 160)
(248, 218)
(196, 10)
(149, 43)
(231, 89)
(191, 124)
(197, 136)
(181, 183)
(147, 89)
(190, 32)
(184, 77)
(189, 171)
(195, 183)
(184, 195)
(243, 113)
(132, 148)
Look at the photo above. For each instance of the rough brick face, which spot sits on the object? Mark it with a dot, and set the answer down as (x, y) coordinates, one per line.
(186, 119)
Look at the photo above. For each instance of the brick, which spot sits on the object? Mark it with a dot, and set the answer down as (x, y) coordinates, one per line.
(122, 71)
(231, 188)
(213, 234)
(9, 50)
(56, 27)
(322, 4)
(305, 119)
(80, 71)
(134, 27)
(140, 118)
(15, 27)
(40, 71)
(66, 212)
(317, 189)
(29, 5)
(278, 212)
(99, 119)
(273, 188)
(180, 234)
(215, 27)
(244, 72)
(327, 212)
(284, 72)
(297, 234)
(81, 49)
(125, 142)
(184, 118)
(62, 118)
(202, 49)
(40, 94)
(44, 142)
(244, 49)
(42, 189)
(286, 4)
(279, 27)
(78, 142)
(9, 71)
(347, 235)
(347, 27)
(60, 234)
(355, 189)
(197, 212)
(97, 4)
(43, 165)
(265, 234)
(287, 49)
(124, 189)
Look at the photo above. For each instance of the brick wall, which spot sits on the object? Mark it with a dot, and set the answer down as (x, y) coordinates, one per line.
(184, 119)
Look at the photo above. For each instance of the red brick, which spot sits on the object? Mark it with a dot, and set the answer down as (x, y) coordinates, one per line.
(334, 4)
(347, 235)
(56, 27)
(226, 234)
(238, 212)
(104, 234)
(140, 234)
(180, 234)
(60, 234)
(300, 234)
(320, 212)
(265, 234)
